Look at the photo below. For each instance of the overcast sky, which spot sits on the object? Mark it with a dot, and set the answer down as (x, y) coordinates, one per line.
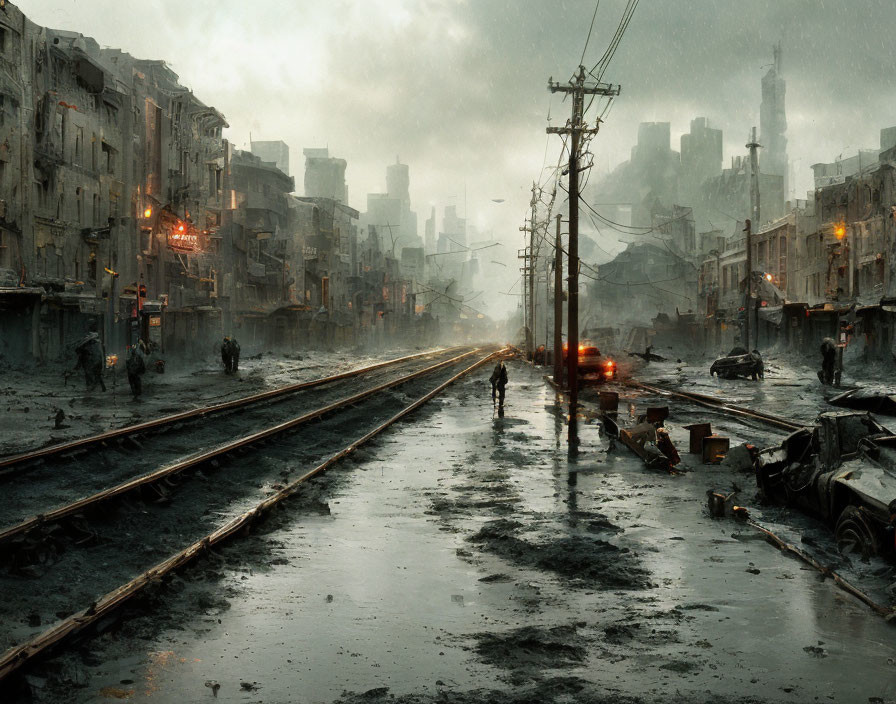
(457, 88)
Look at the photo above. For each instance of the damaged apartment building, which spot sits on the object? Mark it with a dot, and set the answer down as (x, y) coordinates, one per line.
(112, 191)
(123, 206)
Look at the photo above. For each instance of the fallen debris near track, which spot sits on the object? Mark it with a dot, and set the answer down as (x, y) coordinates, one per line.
(647, 441)
(887, 612)
(874, 400)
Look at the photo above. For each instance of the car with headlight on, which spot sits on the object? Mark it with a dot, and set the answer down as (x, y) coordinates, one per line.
(592, 362)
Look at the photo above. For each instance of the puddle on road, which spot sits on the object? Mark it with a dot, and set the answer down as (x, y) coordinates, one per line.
(389, 590)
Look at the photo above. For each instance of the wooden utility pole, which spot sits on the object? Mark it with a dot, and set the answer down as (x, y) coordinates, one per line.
(749, 230)
(575, 129)
(558, 307)
(523, 254)
(532, 268)
(752, 145)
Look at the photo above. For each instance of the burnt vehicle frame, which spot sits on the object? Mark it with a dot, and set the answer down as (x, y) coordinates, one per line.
(738, 362)
(841, 470)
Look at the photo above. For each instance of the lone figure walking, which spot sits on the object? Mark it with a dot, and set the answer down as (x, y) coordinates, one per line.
(230, 355)
(91, 357)
(498, 381)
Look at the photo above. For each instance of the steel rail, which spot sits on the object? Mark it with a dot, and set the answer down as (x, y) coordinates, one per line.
(719, 405)
(40, 453)
(76, 507)
(18, 656)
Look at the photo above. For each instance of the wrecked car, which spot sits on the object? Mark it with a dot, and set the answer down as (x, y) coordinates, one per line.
(841, 470)
(738, 362)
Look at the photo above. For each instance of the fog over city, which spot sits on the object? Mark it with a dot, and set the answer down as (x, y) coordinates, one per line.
(442, 351)
(457, 90)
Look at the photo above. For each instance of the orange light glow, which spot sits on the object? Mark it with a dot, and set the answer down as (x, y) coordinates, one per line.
(768, 277)
(610, 365)
(839, 232)
(180, 228)
(147, 213)
(581, 348)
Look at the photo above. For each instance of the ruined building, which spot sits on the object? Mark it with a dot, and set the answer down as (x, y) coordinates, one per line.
(125, 193)
(324, 175)
(122, 205)
(276, 151)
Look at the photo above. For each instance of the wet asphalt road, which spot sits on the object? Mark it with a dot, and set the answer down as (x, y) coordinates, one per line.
(455, 560)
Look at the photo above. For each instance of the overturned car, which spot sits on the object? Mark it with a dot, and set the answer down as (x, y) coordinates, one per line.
(841, 470)
(739, 362)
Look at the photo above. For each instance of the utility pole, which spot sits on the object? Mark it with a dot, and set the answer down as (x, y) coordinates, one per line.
(749, 230)
(530, 311)
(532, 265)
(575, 129)
(558, 307)
(524, 254)
(752, 145)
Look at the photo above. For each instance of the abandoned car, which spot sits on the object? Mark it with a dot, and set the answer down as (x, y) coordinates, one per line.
(591, 362)
(739, 362)
(841, 470)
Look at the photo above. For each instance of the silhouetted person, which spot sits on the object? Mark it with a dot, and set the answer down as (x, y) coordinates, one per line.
(759, 368)
(828, 361)
(91, 356)
(136, 367)
(499, 382)
(230, 355)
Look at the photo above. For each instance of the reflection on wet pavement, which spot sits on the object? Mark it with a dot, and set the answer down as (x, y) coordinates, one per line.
(464, 552)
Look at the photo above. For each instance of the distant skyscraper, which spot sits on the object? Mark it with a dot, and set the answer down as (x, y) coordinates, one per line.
(430, 235)
(454, 228)
(324, 175)
(773, 122)
(391, 211)
(398, 182)
(701, 157)
(275, 151)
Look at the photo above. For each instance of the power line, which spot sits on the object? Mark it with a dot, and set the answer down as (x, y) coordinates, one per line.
(588, 38)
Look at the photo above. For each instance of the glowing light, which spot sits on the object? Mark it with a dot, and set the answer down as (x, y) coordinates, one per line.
(147, 213)
(768, 277)
(180, 228)
(581, 348)
(839, 232)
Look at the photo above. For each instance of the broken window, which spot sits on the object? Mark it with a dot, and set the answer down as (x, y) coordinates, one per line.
(58, 129)
(79, 144)
(109, 155)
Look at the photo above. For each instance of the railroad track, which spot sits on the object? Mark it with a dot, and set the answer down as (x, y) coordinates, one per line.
(720, 405)
(121, 460)
(203, 514)
(9, 464)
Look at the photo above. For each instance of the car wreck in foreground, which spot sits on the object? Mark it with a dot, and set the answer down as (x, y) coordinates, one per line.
(841, 470)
